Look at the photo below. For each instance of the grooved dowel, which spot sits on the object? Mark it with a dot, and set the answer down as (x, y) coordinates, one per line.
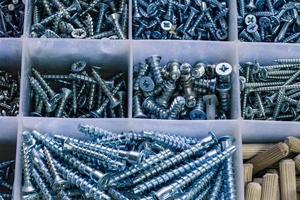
(251, 150)
(297, 162)
(294, 144)
(248, 171)
(288, 179)
(253, 191)
(269, 187)
(267, 158)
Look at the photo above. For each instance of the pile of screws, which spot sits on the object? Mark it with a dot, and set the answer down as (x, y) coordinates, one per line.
(269, 21)
(9, 94)
(271, 92)
(6, 179)
(128, 165)
(183, 20)
(77, 94)
(12, 18)
(270, 170)
(91, 19)
(181, 91)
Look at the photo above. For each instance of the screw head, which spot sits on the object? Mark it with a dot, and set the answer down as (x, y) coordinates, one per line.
(79, 33)
(197, 115)
(264, 22)
(223, 69)
(249, 112)
(252, 28)
(242, 83)
(250, 19)
(146, 84)
(78, 66)
(221, 34)
(166, 25)
(199, 69)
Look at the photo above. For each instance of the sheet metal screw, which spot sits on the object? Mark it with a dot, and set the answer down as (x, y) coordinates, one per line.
(80, 19)
(177, 20)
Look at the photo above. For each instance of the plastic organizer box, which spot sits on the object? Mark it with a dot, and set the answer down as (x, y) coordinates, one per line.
(55, 55)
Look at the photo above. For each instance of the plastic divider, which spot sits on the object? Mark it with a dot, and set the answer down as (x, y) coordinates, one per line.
(56, 56)
(190, 51)
(69, 127)
(122, 55)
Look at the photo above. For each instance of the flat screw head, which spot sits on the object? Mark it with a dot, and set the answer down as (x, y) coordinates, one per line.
(250, 19)
(223, 69)
(79, 33)
(166, 25)
(252, 28)
(197, 115)
(78, 66)
(264, 22)
(198, 70)
(146, 84)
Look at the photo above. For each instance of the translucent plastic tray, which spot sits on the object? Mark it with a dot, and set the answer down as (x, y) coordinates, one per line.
(56, 55)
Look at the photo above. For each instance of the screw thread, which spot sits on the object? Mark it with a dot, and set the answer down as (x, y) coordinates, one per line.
(200, 146)
(154, 62)
(169, 88)
(171, 174)
(214, 194)
(150, 106)
(142, 72)
(199, 186)
(103, 158)
(176, 107)
(142, 166)
(84, 185)
(214, 161)
(45, 191)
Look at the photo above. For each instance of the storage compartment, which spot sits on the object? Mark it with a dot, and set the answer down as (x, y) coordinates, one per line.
(56, 57)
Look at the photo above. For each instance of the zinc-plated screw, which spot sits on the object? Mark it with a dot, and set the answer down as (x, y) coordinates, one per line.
(200, 146)
(168, 91)
(172, 174)
(114, 19)
(100, 156)
(143, 68)
(216, 190)
(176, 107)
(66, 93)
(58, 182)
(40, 182)
(186, 81)
(228, 175)
(142, 166)
(174, 70)
(38, 89)
(168, 191)
(223, 91)
(28, 186)
(154, 63)
(113, 101)
(84, 185)
(137, 109)
(196, 189)
(198, 111)
(150, 106)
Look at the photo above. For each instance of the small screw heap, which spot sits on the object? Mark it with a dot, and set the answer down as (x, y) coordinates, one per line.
(271, 173)
(269, 21)
(81, 93)
(181, 91)
(127, 165)
(180, 20)
(12, 18)
(271, 92)
(9, 94)
(6, 179)
(90, 19)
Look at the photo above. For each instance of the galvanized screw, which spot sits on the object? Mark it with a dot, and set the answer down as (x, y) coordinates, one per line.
(177, 79)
